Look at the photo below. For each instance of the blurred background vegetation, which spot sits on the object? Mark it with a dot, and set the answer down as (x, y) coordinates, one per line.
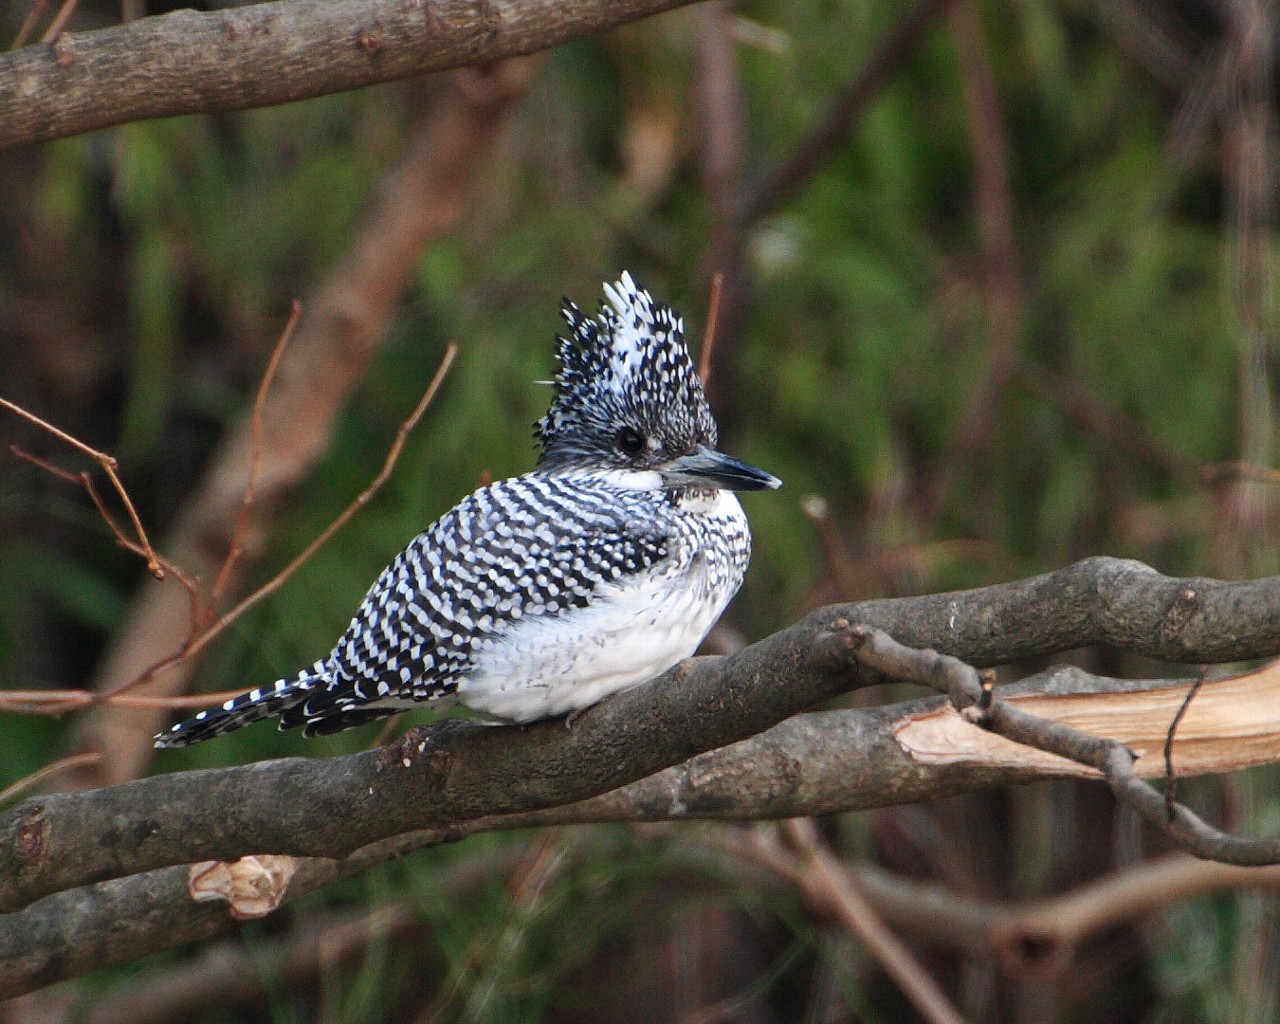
(1019, 312)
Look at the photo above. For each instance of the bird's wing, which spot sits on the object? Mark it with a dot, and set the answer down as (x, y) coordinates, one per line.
(521, 548)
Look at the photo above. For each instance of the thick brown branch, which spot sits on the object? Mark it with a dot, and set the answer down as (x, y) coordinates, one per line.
(810, 764)
(457, 773)
(327, 807)
(468, 778)
(255, 56)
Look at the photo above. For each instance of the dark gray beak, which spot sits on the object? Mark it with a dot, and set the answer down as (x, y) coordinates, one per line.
(704, 467)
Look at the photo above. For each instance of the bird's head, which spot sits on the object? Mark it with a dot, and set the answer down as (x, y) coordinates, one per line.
(627, 398)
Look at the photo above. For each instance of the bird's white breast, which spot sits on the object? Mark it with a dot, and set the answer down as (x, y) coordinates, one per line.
(631, 631)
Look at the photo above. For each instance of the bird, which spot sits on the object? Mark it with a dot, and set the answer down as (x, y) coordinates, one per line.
(539, 595)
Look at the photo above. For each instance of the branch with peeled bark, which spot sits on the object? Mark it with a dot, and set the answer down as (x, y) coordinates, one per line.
(191, 62)
(809, 764)
(707, 722)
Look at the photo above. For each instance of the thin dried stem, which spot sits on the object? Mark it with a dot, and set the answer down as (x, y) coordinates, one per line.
(1214, 471)
(108, 464)
(709, 329)
(35, 778)
(60, 702)
(536, 868)
(780, 183)
(198, 644)
(60, 20)
(255, 462)
(1170, 779)
(975, 430)
(829, 884)
(28, 24)
(85, 480)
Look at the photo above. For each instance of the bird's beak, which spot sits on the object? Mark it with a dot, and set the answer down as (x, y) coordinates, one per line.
(704, 467)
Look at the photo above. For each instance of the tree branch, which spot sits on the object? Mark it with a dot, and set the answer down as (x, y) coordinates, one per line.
(780, 182)
(831, 888)
(810, 764)
(974, 697)
(345, 814)
(462, 772)
(191, 62)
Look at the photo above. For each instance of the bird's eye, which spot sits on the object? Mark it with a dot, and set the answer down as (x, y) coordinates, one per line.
(630, 441)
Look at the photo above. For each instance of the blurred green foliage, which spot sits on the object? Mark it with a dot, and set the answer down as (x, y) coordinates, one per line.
(174, 247)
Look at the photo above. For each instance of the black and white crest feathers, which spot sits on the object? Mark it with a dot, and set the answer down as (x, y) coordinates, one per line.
(628, 367)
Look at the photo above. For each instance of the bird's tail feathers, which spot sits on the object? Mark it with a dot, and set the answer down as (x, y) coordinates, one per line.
(244, 710)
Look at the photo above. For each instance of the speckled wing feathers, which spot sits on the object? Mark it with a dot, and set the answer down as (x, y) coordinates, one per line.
(517, 549)
(514, 551)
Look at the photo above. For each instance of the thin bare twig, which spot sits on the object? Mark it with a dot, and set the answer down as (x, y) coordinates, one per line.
(43, 702)
(828, 884)
(709, 328)
(780, 182)
(255, 461)
(1038, 935)
(60, 20)
(200, 642)
(35, 778)
(721, 144)
(1002, 291)
(839, 563)
(60, 702)
(1171, 779)
(28, 24)
(878, 572)
(1248, 153)
(85, 480)
(108, 464)
(530, 875)
(1108, 423)
(1214, 471)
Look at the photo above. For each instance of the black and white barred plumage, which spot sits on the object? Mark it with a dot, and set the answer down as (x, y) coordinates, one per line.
(542, 594)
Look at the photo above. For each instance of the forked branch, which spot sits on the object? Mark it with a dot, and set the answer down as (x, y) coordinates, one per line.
(108, 464)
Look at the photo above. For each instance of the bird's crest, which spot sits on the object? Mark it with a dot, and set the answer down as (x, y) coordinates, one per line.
(627, 367)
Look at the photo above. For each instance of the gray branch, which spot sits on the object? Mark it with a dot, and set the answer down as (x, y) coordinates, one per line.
(348, 812)
(818, 763)
(329, 807)
(192, 62)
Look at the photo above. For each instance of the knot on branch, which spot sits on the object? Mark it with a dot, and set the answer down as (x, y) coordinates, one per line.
(31, 840)
(1181, 612)
(252, 886)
